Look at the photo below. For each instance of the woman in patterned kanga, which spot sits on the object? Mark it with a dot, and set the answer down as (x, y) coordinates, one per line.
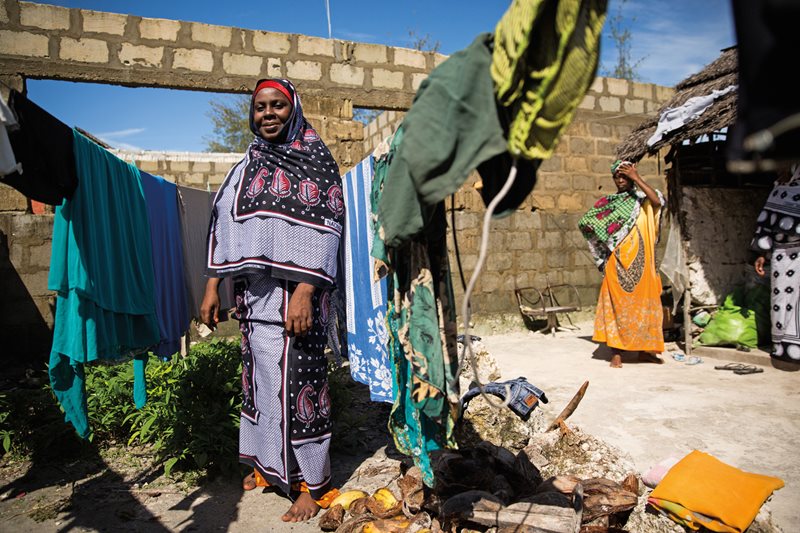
(275, 228)
(622, 231)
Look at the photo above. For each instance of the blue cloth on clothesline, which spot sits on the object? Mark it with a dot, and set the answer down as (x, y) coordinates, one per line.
(170, 285)
(367, 336)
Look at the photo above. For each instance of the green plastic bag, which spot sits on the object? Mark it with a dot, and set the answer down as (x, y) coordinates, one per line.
(733, 324)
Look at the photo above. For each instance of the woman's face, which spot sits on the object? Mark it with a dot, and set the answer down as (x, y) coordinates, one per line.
(271, 111)
(623, 182)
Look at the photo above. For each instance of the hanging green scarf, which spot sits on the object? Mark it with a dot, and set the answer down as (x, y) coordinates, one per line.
(609, 221)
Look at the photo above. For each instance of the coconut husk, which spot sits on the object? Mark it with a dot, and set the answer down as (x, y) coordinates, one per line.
(631, 483)
(412, 491)
(332, 519)
(355, 524)
(605, 497)
(358, 507)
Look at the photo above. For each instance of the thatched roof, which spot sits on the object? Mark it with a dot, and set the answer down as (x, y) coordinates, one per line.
(722, 113)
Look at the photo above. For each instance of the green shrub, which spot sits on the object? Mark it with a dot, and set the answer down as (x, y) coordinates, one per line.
(190, 420)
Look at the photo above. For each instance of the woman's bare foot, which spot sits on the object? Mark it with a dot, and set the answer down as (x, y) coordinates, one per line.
(249, 481)
(304, 508)
(616, 361)
(647, 357)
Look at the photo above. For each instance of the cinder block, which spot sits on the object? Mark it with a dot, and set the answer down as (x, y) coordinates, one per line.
(617, 87)
(201, 166)
(581, 146)
(43, 16)
(271, 42)
(39, 256)
(304, 70)
(83, 50)
(11, 199)
(100, 22)
(634, 106)
(387, 79)
(584, 183)
(642, 90)
(314, 46)
(23, 44)
(160, 29)
(145, 56)
(417, 79)
(438, 59)
(242, 65)
(409, 58)
(664, 93)
(179, 166)
(597, 85)
(347, 74)
(588, 102)
(193, 59)
(610, 104)
(576, 164)
(570, 202)
(148, 166)
(211, 34)
(370, 53)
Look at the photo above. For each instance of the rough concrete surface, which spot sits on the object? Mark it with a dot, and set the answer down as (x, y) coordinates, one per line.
(648, 411)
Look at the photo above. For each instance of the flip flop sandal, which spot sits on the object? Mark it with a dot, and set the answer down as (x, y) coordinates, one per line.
(731, 366)
(748, 370)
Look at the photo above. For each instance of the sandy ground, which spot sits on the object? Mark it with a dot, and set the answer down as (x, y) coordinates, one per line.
(653, 411)
(649, 411)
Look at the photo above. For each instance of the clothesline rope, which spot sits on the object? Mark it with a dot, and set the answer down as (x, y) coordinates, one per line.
(466, 307)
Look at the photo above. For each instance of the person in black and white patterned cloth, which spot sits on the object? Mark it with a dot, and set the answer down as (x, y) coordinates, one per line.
(777, 240)
(275, 228)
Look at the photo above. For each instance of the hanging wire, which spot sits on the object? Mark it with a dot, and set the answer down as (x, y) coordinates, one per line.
(466, 307)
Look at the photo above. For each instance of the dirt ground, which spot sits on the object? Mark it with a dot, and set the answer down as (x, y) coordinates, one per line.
(649, 411)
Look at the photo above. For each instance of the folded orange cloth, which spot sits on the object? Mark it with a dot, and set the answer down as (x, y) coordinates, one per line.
(703, 491)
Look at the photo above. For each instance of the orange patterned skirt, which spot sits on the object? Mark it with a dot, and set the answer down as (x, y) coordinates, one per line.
(629, 313)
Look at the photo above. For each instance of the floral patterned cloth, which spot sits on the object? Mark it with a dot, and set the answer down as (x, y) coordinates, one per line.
(422, 333)
(367, 337)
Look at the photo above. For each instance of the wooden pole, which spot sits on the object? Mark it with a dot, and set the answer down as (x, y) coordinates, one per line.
(687, 321)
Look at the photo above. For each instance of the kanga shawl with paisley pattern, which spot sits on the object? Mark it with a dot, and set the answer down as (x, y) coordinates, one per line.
(280, 210)
(609, 221)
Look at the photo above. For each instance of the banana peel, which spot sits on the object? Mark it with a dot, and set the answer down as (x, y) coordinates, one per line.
(384, 504)
(345, 499)
(385, 497)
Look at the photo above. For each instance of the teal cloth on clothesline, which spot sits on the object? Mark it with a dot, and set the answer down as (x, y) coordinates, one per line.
(102, 269)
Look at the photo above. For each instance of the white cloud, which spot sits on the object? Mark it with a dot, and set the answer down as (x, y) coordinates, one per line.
(674, 39)
(121, 133)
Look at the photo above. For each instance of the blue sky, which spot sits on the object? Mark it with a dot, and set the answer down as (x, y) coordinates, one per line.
(673, 39)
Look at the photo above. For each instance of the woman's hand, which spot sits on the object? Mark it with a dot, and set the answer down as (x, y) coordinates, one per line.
(300, 314)
(628, 170)
(209, 309)
(759, 265)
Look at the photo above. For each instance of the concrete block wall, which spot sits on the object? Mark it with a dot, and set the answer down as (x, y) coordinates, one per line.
(199, 170)
(27, 307)
(54, 42)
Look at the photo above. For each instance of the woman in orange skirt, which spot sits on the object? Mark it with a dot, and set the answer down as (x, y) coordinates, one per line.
(622, 231)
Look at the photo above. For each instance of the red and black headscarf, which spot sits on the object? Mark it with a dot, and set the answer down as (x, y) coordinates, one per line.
(281, 208)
